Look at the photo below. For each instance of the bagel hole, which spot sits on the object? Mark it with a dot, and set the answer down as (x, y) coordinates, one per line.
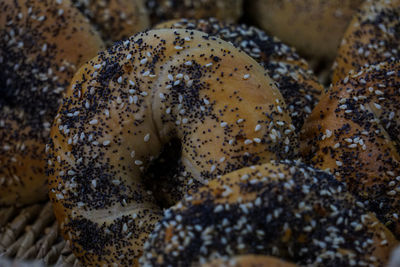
(162, 176)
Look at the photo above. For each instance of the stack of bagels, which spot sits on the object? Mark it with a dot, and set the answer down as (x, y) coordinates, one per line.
(192, 133)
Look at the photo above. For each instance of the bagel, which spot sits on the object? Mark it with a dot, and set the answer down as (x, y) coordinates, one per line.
(41, 45)
(115, 19)
(162, 10)
(373, 36)
(292, 74)
(287, 209)
(313, 27)
(354, 132)
(126, 104)
(249, 261)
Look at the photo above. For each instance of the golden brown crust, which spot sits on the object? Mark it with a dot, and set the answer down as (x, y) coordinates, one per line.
(39, 52)
(249, 261)
(314, 27)
(115, 19)
(286, 209)
(354, 131)
(126, 104)
(291, 73)
(373, 36)
(163, 10)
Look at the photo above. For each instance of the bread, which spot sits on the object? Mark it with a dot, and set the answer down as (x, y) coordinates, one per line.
(353, 132)
(126, 104)
(115, 19)
(314, 27)
(292, 75)
(287, 209)
(162, 10)
(372, 37)
(39, 52)
(249, 261)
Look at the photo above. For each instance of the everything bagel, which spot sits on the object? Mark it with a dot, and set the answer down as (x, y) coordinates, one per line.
(126, 104)
(287, 209)
(42, 43)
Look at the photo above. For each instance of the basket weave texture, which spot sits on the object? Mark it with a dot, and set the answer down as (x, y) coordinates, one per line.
(29, 236)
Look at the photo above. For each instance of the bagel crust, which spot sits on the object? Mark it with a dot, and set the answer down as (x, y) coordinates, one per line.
(288, 210)
(115, 19)
(373, 36)
(313, 27)
(354, 132)
(249, 261)
(126, 104)
(42, 43)
(162, 10)
(292, 75)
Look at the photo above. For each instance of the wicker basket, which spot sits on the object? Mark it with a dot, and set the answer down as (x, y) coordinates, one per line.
(29, 236)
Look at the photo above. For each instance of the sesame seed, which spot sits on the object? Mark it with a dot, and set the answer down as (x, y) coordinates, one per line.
(377, 106)
(218, 208)
(213, 168)
(392, 193)
(146, 138)
(248, 142)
